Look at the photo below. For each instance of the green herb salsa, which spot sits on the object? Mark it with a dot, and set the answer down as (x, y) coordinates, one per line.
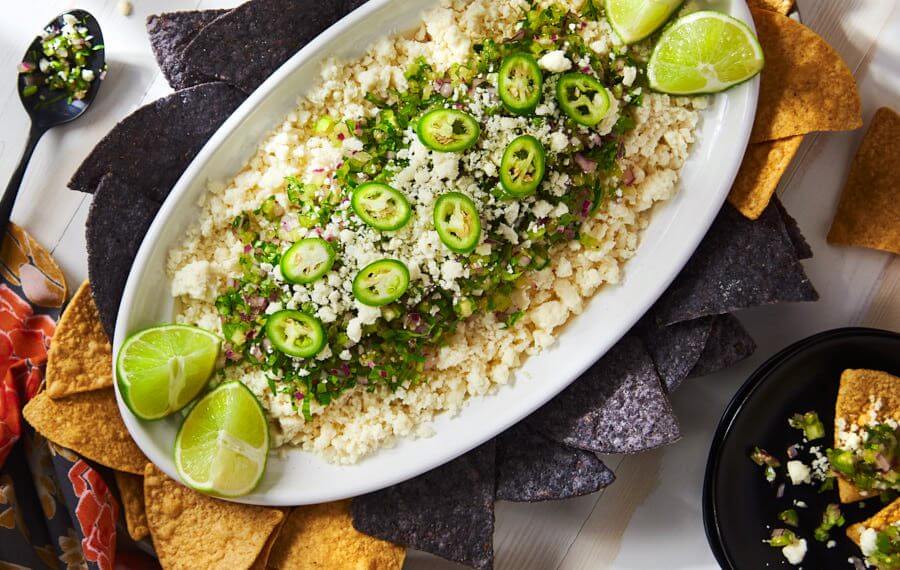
(415, 320)
(61, 69)
(873, 466)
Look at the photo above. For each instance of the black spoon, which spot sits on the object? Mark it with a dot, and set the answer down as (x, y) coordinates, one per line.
(48, 108)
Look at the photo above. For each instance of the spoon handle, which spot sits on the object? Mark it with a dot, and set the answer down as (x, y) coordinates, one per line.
(12, 190)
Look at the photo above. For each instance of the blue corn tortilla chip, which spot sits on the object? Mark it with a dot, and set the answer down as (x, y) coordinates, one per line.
(532, 467)
(169, 34)
(448, 511)
(618, 406)
(150, 149)
(728, 344)
(739, 264)
(246, 45)
(116, 225)
(801, 246)
(676, 348)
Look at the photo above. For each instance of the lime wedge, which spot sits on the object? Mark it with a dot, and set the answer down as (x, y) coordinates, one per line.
(704, 52)
(634, 20)
(160, 370)
(222, 445)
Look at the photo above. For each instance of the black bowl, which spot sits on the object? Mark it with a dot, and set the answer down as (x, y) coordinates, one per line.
(739, 506)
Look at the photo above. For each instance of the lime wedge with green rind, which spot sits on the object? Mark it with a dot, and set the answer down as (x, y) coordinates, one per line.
(704, 52)
(634, 20)
(222, 446)
(162, 369)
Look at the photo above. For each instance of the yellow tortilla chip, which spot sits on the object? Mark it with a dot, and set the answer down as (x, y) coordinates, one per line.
(89, 424)
(322, 536)
(80, 358)
(780, 6)
(861, 394)
(762, 169)
(805, 85)
(262, 559)
(869, 211)
(191, 530)
(883, 518)
(131, 490)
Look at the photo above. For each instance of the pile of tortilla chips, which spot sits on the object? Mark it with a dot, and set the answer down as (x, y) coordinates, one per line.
(77, 410)
(805, 87)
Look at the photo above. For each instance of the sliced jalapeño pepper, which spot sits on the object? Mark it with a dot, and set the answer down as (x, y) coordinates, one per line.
(381, 206)
(381, 282)
(448, 130)
(584, 99)
(523, 166)
(295, 333)
(307, 260)
(520, 83)
(456, 221)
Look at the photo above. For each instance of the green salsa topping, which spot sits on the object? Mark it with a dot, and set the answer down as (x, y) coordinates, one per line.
(810, 424)
(873, 466)
(447, 113)
(887, 549)
(62, 65)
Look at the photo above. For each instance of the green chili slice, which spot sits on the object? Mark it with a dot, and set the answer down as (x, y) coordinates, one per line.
(381, 282)
(295, 333)
(523, 166)
(448, 130)
(307, 260)
(381, 206)
(584, 99)
(457, 223)
(520, 83)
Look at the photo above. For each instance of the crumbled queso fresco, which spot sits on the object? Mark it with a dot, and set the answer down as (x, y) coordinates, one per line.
(429, 216)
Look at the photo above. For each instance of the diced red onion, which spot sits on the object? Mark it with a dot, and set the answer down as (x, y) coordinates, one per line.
(341, 136)
(857, 563)
(267, 344)
(248, 248)
(780, 492)
(586, 208)
(299, 395)
(446, 90)
(362, 381)
(620, 152)
(882, 463)
(596, 139)
(792, 452)
(518, 35)
(345, 369)
(524, 261)
(230, 283)
(25, 67)
(257, 302)
(628, 177)
(587, 165)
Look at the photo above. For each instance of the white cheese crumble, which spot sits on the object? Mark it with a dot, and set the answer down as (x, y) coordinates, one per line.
(555, 61)
(799, 472)
(868, 541)
(795, 553)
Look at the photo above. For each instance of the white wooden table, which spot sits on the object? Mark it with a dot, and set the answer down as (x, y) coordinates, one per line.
(650, 518)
